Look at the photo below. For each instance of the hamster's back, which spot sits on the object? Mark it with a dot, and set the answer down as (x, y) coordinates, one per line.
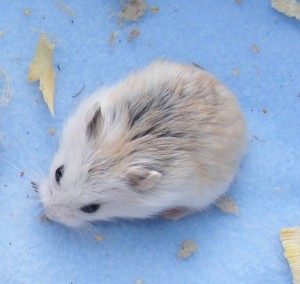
(169, 136)
(178, 116)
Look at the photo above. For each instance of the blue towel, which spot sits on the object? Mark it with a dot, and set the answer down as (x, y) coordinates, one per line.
(219, 36)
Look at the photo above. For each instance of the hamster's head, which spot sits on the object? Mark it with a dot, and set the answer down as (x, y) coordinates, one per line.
(95, 174)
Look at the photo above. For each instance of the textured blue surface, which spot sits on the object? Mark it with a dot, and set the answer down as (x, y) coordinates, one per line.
(215, 34)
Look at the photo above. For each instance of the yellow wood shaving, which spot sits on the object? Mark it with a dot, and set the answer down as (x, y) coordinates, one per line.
(6, 91)
(65, 8)
(227, 205)
(290, 239)
(42, 69)
(27, 12)
(290, 8)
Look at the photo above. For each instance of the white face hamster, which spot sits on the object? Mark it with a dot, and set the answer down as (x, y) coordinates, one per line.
(167, 140)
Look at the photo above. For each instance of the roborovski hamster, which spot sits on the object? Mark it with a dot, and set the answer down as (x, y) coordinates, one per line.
(166, 140)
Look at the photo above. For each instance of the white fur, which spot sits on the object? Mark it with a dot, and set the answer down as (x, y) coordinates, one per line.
(193, 180)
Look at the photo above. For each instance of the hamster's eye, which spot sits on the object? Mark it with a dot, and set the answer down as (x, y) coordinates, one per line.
(91, 208)
(59, 173)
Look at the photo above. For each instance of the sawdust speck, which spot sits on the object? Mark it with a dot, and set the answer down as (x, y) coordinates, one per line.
(133, 10)
(154, 9)
(27, 12)
(113, 37)
(227, 205)
(133, 34)
(236, 71)
(99, 238)
(187, 249)
(255, 49)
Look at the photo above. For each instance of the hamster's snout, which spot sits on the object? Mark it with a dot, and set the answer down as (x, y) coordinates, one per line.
(50, 213)
(57, 214)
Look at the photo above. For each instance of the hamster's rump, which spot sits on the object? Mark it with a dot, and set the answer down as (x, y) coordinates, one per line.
(169, 136)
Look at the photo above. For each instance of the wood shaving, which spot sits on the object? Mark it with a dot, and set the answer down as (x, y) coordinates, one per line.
(187, 249)
(154, 9)
(139, 281)
(290, 8)
(290, 239)
(65, 8)
(236, 71)
(6, 90)
(27, 12)
(52, 131)
(1, 34)
(133, 10)
(133, 34)
(42, 69)
(113, 37)
(255, 49)
(99, 238)
(227, 205)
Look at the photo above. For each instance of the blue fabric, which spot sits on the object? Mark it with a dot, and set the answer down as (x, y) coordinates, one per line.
(218, 35)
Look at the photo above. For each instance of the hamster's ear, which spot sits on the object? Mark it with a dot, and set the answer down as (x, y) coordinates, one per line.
(141, 178)
(94, 121)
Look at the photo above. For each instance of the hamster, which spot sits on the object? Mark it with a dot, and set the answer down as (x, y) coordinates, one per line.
(166, 140)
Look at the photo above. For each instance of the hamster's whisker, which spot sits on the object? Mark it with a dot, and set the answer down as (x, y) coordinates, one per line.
(19, 187)
(33, 162)
(36, 205)
(17, 184)
(24, 186)
(10, 164)
(88, 231)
